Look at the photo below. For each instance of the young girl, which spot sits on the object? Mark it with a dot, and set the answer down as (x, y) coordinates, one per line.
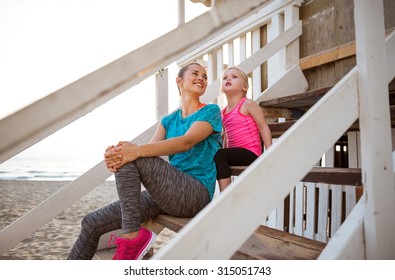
(244, 124)
(181, 187)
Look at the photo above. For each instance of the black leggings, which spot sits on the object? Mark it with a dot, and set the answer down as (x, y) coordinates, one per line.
(227, 157)
(168, 191)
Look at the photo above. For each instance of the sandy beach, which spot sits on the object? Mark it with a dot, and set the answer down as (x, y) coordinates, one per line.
(54, 240)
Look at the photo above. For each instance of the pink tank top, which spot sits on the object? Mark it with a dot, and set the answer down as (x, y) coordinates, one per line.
(241, 130)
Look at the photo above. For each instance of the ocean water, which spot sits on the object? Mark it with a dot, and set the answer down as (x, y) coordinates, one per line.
(35, 169)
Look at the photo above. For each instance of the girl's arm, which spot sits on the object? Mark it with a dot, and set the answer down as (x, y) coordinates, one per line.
(126, 152)
(255, 111)
(224, 139)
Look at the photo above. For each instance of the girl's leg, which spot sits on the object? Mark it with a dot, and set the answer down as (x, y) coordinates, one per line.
(223, 183)
(170, 191)
(227, 157)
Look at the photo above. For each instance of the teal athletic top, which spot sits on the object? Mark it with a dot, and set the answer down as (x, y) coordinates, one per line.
(198, 162)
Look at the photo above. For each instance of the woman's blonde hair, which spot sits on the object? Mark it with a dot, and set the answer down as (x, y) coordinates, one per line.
(242, 73)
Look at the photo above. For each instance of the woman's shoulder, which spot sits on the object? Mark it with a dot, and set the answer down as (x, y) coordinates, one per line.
(210, 113)
(170, 116)
(211, 110)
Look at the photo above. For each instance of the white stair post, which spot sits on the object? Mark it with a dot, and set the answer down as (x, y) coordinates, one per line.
(276, 64)
(162, 93)
(375, 126)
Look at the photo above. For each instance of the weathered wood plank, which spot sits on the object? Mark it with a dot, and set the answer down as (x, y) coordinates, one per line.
(331, 55)
(275, 113)
(271, 244)
(302, 100)
(173, 223)
(337, 176)
(327, 24)
(266, 243)
(278, 129)
(327, 175)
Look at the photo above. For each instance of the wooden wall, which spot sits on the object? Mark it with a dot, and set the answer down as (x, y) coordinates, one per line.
(328, 24)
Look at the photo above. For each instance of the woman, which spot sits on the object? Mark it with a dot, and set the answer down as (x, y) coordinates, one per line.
(182, 187)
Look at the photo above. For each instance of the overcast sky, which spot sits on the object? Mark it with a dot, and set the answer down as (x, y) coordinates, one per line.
(47, 44)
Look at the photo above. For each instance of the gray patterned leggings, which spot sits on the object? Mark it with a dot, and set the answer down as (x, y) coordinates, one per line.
(168, 191)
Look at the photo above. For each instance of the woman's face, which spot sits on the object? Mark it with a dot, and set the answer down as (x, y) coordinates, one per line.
(194, 80)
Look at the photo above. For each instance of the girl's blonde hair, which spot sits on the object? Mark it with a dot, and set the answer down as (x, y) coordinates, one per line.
(242, 73)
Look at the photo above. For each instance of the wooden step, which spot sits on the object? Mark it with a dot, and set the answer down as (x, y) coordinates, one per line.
(302, 101)
(327, 175)
(278, 128)
(265, 244)
(294, 106)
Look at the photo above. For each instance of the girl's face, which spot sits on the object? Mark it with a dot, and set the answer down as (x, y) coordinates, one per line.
(194, 80)
(233, 81)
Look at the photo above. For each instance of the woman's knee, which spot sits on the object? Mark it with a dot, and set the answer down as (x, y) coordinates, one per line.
(126, 168)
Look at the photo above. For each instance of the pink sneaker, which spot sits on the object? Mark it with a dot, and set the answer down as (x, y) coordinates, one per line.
(134, 249)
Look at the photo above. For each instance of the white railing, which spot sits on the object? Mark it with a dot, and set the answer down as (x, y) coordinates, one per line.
(317, 210)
